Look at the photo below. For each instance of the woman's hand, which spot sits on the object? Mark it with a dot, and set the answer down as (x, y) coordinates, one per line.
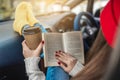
(31, 53)
(66, 61)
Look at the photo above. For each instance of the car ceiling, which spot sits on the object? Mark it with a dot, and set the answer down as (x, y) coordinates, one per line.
(70, 3)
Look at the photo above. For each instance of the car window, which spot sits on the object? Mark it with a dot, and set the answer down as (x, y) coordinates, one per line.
(44, 7)
(40, 7)
(5, 9)
(82, 7)
(99, 4)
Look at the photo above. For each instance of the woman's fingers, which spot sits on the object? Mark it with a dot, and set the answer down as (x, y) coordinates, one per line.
(31, 53)
(37, 51)
(26, 50)
(62, 65)
(24, 45)
(61, 59)
(67, 62)
(59, 53)
(62, 53)
(39, 48)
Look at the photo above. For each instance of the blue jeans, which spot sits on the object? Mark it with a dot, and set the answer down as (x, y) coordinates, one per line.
(56, 73)
(53, 73)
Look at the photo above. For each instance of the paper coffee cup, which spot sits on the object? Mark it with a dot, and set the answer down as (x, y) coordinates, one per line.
(33, 37)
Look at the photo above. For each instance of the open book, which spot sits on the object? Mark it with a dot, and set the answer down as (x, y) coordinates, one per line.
(69, 42)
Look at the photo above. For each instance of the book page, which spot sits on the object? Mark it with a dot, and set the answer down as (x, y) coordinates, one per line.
(73, 44)
(53, 43)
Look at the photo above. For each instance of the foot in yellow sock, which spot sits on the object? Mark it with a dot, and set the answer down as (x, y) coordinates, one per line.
(21, 17)
(32, 20)
(30, 16)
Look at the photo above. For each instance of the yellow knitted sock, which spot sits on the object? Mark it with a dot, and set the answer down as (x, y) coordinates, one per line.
(30, 16)
(20, 17)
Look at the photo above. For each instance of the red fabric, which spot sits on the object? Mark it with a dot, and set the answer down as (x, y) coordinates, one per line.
(109, 21)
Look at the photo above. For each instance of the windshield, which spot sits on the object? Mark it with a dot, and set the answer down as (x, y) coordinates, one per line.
(40, 7)
(45, 7)
(98, 4)
(6, 9)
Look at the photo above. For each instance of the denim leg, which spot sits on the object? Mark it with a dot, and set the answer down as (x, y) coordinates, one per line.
(56, 73)
(53, 73)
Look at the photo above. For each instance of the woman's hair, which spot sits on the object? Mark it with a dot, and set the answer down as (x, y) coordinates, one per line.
(113, 70)
(99, 57)
(96, 47)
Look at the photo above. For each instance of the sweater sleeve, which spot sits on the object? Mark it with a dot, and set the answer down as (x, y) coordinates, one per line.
(77, 68)
(32, 69)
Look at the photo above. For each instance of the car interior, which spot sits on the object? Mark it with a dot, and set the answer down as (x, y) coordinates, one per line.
(12, 66)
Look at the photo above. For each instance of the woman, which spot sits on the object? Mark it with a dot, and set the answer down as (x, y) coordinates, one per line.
(72, 66)
(96, 68)
(24, 18)
(97, 62)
